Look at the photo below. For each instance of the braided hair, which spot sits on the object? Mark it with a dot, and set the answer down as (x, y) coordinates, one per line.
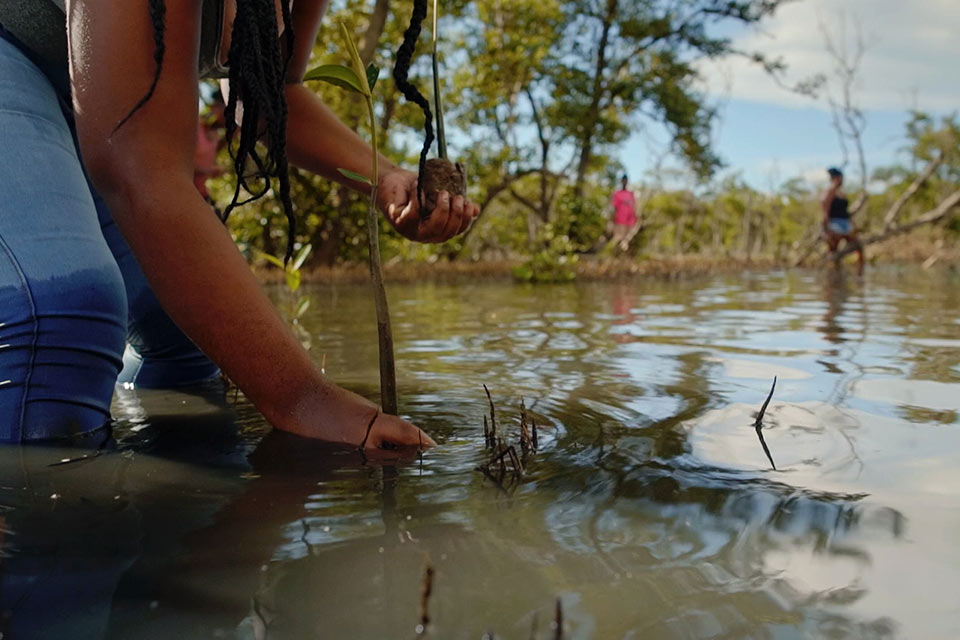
(257, 74)
(401, 72)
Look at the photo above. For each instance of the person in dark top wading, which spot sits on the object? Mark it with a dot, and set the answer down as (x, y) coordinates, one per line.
(119, 250)
(837, 224)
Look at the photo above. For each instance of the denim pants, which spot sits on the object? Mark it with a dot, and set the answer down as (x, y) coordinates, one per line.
(75, 308)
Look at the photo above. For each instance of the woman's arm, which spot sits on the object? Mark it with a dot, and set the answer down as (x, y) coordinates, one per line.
(319, 142)
(145, 172)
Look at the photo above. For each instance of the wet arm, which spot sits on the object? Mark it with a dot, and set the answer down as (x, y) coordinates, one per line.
(145, 172)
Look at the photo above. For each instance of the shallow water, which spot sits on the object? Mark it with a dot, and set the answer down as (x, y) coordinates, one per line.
(650, 509)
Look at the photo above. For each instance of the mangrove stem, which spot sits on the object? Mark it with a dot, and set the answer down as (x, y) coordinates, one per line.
(388, 373)
(437, 107)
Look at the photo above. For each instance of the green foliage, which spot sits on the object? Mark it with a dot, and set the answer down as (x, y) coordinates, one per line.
(337, 75)
(536, 117)
(555, 262)
(355, 176)
(373, 73)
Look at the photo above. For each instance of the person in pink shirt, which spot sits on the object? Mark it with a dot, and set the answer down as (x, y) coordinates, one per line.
(624, 212)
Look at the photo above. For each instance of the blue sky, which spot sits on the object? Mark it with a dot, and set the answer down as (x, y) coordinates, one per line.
(769, 135)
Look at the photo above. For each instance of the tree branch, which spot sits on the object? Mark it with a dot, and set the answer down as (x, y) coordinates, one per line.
(918, 182)
(378, 19)
(525, 202)
(930, 217)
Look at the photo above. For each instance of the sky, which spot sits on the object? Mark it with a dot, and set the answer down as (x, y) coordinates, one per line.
(769, 134)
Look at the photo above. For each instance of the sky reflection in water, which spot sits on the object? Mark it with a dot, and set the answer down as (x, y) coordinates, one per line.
(650, 509)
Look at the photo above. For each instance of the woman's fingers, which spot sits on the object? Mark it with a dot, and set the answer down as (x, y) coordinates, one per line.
(452, 216)
(464, 224)
(391, 430)
(471, 211)
(432, 229)
(457, 216)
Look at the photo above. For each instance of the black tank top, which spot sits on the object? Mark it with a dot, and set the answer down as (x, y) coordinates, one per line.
(838, 208)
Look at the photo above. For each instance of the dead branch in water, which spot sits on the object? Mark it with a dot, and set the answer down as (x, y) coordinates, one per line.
(758, 424)
(558, 621)
(509, 465)
(426, 588)
(919, 181)
(526, 442)
(935, 215)
(493, 418)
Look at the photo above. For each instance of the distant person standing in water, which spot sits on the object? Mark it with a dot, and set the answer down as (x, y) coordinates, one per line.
(837, 225)
(624, 212)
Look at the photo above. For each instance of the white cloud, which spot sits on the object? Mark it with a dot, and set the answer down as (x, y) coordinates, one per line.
(911, 61)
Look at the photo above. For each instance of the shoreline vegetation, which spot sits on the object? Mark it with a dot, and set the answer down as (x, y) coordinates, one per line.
(900, 251)
(545, 199)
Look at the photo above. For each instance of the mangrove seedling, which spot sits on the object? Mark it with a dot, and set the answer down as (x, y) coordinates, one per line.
(295, 302)
(362, 80)
(436, 174)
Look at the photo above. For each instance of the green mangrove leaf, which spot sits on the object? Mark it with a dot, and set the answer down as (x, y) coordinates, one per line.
(302, 307)
(355, 176)
(338, 75)
(275, 261)
(373, 73)
(302, 256)
(293, 280)
(354, 56)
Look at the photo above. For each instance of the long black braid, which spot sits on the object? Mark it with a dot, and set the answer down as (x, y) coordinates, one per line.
(401, 72)
(257, 75)
(158, 14)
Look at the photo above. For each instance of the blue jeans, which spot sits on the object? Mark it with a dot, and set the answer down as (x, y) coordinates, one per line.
(71, 292)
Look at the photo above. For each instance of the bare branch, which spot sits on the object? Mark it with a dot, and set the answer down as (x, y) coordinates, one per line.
(858, 203)
(933, 216)
(848, 118)
(503, 185)
(918, 182)
(378, 19)
(524, 201)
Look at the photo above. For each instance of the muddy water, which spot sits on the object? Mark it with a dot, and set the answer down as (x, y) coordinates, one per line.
(650, 510)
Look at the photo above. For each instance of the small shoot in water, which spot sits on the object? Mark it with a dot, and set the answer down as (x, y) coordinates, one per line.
(291, 270)
(295, 303)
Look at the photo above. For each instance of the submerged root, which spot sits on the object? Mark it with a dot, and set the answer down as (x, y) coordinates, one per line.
(426, 589)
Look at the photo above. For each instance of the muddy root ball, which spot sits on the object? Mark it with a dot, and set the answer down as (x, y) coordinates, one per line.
(441, 175)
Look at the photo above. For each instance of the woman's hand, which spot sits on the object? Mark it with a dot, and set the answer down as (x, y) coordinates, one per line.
(329, 412)
(397, 198)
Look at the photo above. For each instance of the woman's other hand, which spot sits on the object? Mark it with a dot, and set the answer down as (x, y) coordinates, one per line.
(329, 412)
(397, 198)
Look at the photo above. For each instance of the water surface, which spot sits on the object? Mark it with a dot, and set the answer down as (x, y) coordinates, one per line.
(650, 509)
